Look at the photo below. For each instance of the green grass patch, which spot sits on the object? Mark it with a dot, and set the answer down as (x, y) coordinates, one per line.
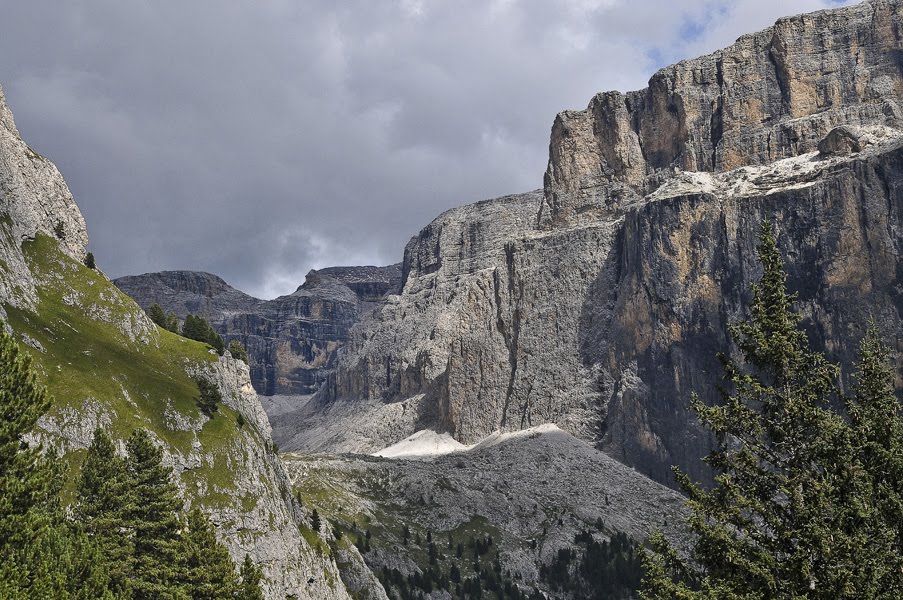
(82, 321)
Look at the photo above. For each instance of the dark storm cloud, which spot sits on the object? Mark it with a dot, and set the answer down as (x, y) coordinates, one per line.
(259, 139)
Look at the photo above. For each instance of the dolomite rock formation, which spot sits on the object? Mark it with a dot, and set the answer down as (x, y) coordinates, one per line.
(600, 303)
(521, 485)
(291, 340)
(771, 95)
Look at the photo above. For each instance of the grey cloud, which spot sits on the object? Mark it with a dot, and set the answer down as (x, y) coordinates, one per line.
(259, 139)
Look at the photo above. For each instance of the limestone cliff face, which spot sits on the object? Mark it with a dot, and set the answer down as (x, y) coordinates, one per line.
(291, 340)
(600, 304)
(771, 95)
(34, 198)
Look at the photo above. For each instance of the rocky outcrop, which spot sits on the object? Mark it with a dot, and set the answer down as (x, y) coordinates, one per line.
(291, 340)
(771, 95)
(600, 304)
(33, 198)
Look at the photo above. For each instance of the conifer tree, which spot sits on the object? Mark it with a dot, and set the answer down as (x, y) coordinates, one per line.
(874, 473)
(104, 505)
(251, 578)
(206, 569)
(172, 322)
(783, 519)
(154, 520)
(42, 555)
(315, 521)
(25, 476)
(209, 396)
(237, 350)
(156, 314)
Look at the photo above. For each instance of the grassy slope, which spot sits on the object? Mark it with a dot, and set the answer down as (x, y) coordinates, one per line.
(87, 357)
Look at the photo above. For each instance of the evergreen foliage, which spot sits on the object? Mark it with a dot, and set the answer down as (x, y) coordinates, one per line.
(197, 328)
(155, 520)
(251, 577)
(42, 554)
(89, 261)
(237, 350)
(806, 504)
(209, 396)
(172, 322)
(104, 508)
(156, 314)
(25, 476)
(130, 513)
(315, 521)
(207, 571)
(596, 570)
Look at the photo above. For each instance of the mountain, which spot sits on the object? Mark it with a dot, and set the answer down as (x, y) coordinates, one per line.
(600, 303)
(291, 340)
(107, 365)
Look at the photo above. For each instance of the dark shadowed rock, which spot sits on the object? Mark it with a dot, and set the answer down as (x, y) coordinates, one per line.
(291, 340)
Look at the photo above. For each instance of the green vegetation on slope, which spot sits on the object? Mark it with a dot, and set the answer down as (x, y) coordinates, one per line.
(95, 356)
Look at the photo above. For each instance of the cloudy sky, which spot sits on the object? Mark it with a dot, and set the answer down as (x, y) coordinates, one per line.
(258, 139)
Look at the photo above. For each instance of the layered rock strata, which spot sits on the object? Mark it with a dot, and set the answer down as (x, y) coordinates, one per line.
(291, 340)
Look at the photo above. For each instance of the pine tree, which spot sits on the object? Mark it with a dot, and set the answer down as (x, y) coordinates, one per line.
(197, 328)
(154, 520)
(156, 314)
(25, 476)
(237, 350)
(251, 578)
(42, 555)
(315, 521)
(103, 507)
(874, 474)
(206, 569)
(89, 261)
(772, 526)
(172, 322)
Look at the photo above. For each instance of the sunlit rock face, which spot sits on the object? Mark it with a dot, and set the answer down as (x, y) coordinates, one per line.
(771, 95)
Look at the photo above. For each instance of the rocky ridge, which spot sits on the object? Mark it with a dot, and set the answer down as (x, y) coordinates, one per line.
(600, 303)
(108, 366)
(291, 340)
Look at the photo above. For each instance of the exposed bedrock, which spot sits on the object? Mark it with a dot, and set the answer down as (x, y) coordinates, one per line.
(608, 327)
(771, 95)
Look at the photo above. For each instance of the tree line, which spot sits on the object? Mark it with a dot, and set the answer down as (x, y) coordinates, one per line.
(196, 328)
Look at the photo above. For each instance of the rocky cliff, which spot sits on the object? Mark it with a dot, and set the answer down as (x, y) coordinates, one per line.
(772, 95)
(600, 302)
(291, 340)
(108, 366)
